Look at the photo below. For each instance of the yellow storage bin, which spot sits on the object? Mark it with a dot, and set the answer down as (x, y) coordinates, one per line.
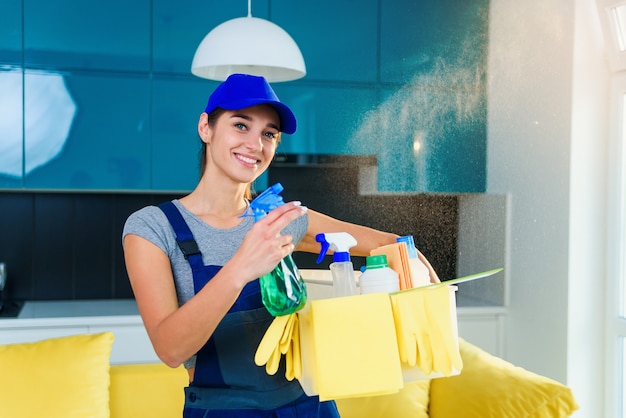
(348, 347)
(372, 344)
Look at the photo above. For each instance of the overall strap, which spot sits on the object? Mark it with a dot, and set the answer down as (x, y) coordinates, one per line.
(184, 237)
(226, 361)
(207, 363)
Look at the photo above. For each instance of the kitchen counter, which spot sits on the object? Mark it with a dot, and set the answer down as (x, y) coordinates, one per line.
(74, 312)
(74, 308)
(39, 320)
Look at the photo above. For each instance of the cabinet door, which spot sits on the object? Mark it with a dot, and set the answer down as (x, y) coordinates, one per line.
(107, 145)
(483, 331)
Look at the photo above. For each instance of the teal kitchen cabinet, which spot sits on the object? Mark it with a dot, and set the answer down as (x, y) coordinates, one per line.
(11, 93)
(399, 79)
(176, 108)
(10, 33)
(77, 35)
(339, 40)
(433, 41)
(433, 65)
(108, 146)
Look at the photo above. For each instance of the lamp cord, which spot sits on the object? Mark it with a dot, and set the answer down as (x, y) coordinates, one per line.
(249, 8)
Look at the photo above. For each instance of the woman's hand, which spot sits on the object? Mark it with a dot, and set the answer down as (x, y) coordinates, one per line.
(264, 246)
(431, 271)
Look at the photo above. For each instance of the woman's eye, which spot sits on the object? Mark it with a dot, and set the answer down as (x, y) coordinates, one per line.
(270, 136)
(241, 126)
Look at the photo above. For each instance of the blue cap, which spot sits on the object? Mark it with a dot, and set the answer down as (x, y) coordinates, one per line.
(342, 256)
(410, 244)
(239, 91)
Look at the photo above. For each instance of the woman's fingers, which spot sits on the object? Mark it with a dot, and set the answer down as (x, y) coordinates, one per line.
(433, 274)
(278, 218)
(264, 245)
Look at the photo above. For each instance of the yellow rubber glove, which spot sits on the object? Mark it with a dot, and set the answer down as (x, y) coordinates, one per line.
(401, 336)
(281, 337)
(292, 355)
(274, 361)
(445, 343)
(271, 340)
(285, 339)
(289, 372)
(413, 329)
(295, 347)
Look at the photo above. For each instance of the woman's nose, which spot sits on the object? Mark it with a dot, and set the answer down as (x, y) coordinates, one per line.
(255, 142)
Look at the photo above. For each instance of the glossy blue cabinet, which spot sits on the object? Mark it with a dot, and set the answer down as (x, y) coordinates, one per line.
(338, 39)
(10, 33)
(82, 35)
(176, 108)
(102, 98)
(108, 144)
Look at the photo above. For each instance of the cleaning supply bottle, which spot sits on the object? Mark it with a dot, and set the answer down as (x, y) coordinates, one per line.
(419, 272)
(378, 276)
(283, 290)
(344, 283)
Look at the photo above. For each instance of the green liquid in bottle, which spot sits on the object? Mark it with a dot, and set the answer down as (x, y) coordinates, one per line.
(283, 290)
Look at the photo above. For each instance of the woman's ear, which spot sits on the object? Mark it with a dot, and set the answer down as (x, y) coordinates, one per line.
(204, 129)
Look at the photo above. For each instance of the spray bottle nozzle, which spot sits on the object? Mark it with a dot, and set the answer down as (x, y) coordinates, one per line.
(265, 202)
(339, 242)
(325, 246)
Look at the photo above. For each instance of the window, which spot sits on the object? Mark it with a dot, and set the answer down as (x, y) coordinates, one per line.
(613, 14)
(616, 272)
(618, 22)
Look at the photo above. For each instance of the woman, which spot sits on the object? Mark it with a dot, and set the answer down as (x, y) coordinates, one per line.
(193, 263)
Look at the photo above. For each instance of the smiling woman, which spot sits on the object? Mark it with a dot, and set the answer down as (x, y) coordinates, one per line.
(238, 129)
(194, 262)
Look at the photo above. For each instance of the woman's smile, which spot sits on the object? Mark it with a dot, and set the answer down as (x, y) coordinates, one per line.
(247, 160)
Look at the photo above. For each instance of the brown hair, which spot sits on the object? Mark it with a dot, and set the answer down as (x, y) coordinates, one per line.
(212, 120)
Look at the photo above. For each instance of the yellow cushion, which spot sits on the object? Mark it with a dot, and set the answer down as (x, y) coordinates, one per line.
(410, 402)
(491, 387)
(147, 390)
(63, 377)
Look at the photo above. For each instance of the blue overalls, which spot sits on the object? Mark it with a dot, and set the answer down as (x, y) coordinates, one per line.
(226, 382)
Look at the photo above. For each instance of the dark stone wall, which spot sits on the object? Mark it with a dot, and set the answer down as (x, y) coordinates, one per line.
(344, 187)
(67, 245)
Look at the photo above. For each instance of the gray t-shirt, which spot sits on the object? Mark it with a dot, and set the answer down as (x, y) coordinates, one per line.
(217, 245)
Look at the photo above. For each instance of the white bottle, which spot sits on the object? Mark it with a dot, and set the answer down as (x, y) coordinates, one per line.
(378, 276)
(419, 272)
(342, 269)
(344, 283)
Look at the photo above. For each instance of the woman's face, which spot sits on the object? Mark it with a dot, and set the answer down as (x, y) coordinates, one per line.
(242, 143)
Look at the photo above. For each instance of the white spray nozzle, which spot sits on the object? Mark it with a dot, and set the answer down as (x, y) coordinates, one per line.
(339, 242)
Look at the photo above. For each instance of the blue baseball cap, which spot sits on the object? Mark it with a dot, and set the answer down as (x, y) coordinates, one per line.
(239, 91)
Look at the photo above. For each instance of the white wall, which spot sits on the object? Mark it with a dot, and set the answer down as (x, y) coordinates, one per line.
(547, 131)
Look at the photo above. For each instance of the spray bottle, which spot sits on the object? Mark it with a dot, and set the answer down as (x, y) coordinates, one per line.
(283, 290)
(341, 267)
(419, 272)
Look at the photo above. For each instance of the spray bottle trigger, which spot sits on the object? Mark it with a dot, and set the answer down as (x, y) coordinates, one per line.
(325, 246)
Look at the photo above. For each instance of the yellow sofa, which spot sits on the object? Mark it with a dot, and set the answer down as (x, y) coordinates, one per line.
(71, 377)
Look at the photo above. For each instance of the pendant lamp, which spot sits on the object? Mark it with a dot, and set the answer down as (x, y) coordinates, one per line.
(248, 45)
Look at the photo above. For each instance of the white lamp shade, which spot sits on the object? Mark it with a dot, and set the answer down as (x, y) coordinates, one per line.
(248, 45)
